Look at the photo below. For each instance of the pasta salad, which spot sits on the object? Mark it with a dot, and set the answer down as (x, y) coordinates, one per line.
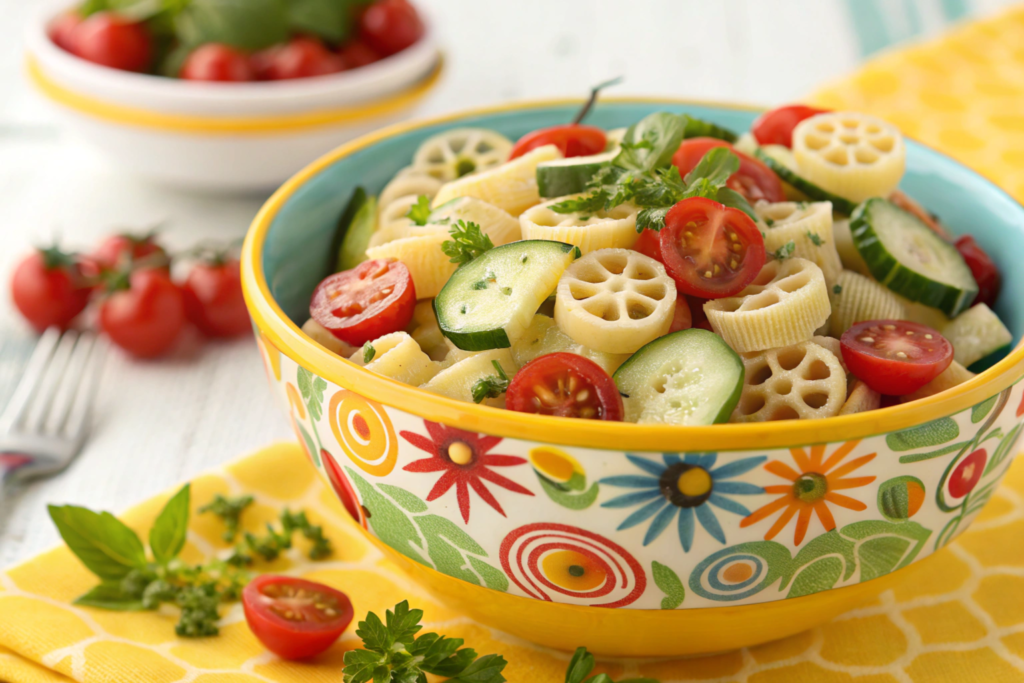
(670, 273)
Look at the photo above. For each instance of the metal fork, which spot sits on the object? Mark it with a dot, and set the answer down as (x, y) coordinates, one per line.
(47, 418)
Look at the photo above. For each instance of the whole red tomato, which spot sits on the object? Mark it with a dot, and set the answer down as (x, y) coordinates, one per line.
(62, 28)
(390, 26)
(983, 268)
(144, 315)
(49, 289)
(111, 40)
(119, 250)
(299, 58)
(213, 299)
(218, 62)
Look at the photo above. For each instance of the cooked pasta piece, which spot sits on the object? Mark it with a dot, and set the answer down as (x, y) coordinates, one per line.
(859, 298)
(409, 181)
(398, 356)
(955, 375)
(855, 156)
(926, 315)
(848, 254)
(401, 229)
(429, 266)
(460, 152)
(615, 300)
(976, 333)
(543, 336)
(746, 143)
(833, 345)
(784, 305)
(322, 336)
(426, 332)
(457, 380)
(802, 381)
(862, 398)
(614, 229)
(511, 186)
(496, 223)
(809, 227)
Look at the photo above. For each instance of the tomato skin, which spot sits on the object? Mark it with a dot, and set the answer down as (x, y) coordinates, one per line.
(145, 319)
(603, 401)
(775, 127)
(63, 27)
(214, 301)
(390, 26)
(359, 305)
(299, 58)
(683, 317)
(702, 227)
(754, 180)
(649, 244)
(48, 295)
(119, 250)
(983, 268)
(572, 139)
(291, 638)
(357, 54)
(217, 62)
(110, 40)
(870, 351)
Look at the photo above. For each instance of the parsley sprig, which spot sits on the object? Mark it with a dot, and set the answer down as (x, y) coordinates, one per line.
(419, 213)
(492, 386)
(582, 663)
(467, 242)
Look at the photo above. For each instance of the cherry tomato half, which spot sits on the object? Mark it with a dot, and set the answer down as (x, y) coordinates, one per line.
(214, 301)
(710, 250)
(218, 62)
(754, 180)
(299, 58)
(895, 357)
(649, 244)
(63, 27)
(390, 26)
(565, 385)
(775, 127)
(572, 139)
(356, 54)
(295, 618)
(146, 318)
(119, 250)
(110, 40)
(683, 317)
(983, 268)
(49, 289)
(359, 305)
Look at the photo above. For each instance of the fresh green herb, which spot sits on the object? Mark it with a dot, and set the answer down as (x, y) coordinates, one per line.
(785, 251)
(419, 212)
(582, 663)
(369, 352)
(467, 242)
(230, 512)
(394, 653)
(815, 238)
(837, 289)
(491, 387)
(769, 221)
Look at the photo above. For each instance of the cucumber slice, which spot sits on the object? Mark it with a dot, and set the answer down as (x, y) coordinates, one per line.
(699, 128)
(563, 177)
(357, 236)
(976, 334)
(686, 378)
(907, 257)
(489, 302)
(812, 191)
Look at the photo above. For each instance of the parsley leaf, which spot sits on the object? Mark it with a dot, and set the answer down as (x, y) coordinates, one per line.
(369, 352)
(815, 238)
(582, 663)
(467, 242)
(230, 512)
(491, 387)
(785, 251)
(419, 212)
(837, 289)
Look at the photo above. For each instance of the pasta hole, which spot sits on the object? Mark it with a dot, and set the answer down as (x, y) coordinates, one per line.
(751, 403)
(641, 271)
(818, 370)
(594, 276)
(838, 156)
(547, 219)
(826, 127)
(615, 264)
(766, 275)
(759, 376)
(793, 282)
(652, 290)
(816, 400)
(729, 305)
(783, 387)
(849, 123)
(790, 358)
(873, 128)
(759, 301)
(784, 413)
(817, 142)
(638, 311)
(865, 155)
(849, 138)
(581, 292)
(883, 144)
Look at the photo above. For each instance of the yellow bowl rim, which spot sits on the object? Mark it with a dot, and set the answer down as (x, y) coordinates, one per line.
(287, 337)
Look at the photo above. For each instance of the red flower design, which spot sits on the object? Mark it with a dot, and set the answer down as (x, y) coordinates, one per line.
(465, 460)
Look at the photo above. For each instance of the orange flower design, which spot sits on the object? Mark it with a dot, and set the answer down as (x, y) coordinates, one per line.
(812, 486)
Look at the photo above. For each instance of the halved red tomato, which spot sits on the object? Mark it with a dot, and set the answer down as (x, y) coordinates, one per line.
(295, 618)
(710, 250)
(895, 357)
(572, 139)
(649, 244)
(983, 268)
(775, 127)
(754, 180)
(565, 385)
(359, 305)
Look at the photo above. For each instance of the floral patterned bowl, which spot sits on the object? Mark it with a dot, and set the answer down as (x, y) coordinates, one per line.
(631, 540)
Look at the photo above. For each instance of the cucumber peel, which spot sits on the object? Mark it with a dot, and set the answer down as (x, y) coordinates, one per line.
(806, 187)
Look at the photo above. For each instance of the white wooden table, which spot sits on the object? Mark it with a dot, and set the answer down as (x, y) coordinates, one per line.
(161, 422)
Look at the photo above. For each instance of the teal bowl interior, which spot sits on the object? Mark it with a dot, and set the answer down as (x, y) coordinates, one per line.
(297, 251)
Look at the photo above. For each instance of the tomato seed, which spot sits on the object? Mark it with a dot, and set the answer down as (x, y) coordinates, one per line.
(868, 340)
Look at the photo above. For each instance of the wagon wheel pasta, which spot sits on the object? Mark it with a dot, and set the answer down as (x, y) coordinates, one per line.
(463, 151)
(808, 227)
(802, 381)
(511, 186)
(613, 229)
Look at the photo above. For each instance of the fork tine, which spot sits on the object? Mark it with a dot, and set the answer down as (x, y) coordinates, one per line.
(29, 383)
(50, 382)
(71, 378)
(81, 406)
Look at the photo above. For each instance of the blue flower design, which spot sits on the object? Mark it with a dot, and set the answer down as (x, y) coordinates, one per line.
(684, 485)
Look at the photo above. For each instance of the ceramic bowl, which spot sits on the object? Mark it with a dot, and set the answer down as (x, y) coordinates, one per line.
(216, 136)
(631, 540)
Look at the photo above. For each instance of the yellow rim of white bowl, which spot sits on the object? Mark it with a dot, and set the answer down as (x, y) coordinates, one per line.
(290, 340)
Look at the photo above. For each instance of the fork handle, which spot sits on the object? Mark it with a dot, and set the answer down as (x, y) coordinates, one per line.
(9, 464)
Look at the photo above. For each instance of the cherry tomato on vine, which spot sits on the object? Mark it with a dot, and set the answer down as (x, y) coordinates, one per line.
(119, 250)
(144, 314)
(753, 180)
(895, 357)
(572, 139)
(565, 385)
(218, 62)
(710, 250)
(357, 53)
(390, 26)
(299, 58)
(359, 305)
(63, 27)
(983, 268)
(49, 289)
(214, 301)
(775, 127)
(295, 618)
(111, 40)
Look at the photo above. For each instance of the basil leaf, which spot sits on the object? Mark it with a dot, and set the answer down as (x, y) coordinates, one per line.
(245, 24)
(328, 19)
(167, 536)
(108, 595)
(715, 167)
(103, 543)
(735, 200)
(171, 64)
(135, 10)
(651, 143)
(581, 664)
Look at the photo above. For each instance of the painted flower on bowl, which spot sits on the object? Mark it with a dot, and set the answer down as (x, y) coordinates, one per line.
(687, 486)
